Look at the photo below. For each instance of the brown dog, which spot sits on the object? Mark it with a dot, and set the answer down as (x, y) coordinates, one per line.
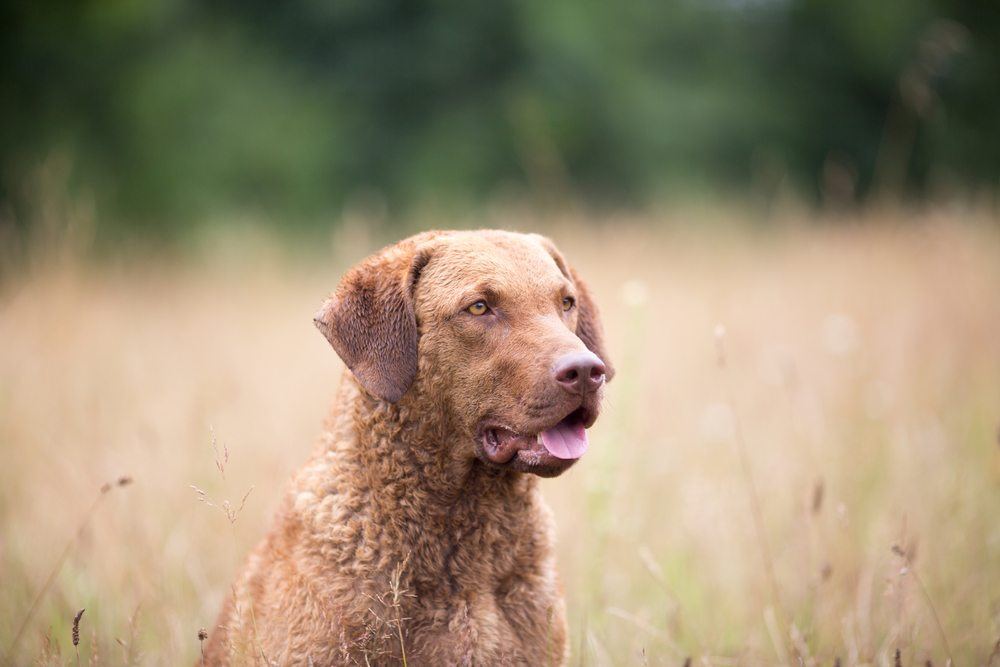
(413, 534)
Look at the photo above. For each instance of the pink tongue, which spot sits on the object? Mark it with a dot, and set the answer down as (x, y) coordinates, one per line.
(565, 441)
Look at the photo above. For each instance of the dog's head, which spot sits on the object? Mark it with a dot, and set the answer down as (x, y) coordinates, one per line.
(495, 326)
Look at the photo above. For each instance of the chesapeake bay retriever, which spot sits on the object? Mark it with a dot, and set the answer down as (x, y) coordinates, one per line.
(417, 532)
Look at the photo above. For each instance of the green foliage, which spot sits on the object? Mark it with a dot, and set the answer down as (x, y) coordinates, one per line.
(174, 111)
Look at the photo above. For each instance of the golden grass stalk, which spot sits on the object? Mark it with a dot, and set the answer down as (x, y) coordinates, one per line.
(755, 507)
(909, 569)
(397, 597)
(33, 608)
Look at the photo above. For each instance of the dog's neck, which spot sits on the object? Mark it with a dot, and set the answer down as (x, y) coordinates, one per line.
(423, 495)
(415, 439)
(403, 451)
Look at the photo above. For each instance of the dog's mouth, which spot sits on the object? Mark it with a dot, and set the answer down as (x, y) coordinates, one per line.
(547, 452)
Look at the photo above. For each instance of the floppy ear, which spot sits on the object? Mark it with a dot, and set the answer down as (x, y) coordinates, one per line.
(588, 321)
(371, 323)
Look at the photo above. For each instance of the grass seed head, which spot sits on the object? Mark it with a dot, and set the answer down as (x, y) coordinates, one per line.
(76, 627)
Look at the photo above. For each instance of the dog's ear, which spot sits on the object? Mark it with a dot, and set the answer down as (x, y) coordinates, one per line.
(588, 322)
(371, 323)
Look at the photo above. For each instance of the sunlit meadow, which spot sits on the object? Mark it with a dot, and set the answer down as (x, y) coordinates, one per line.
(798, 462)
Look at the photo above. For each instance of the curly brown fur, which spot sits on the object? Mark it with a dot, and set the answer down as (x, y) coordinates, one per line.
(401, 535)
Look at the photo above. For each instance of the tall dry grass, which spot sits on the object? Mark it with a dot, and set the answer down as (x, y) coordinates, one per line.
(831, 491)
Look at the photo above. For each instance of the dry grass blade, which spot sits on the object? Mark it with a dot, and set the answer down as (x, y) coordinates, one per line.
(647, 628)
(221, 460)
(777, 636)
(95, 654)
(54, 572)
(909, 569)
(232, 513)
(398, 592)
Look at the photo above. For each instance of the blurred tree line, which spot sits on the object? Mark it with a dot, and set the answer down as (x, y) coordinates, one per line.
(170, 112)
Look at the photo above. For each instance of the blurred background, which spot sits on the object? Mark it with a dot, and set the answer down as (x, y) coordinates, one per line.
(787, 210)
(163, 115)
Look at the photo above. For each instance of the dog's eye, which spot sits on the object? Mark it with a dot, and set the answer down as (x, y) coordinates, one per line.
(568, 302)
(478, 308)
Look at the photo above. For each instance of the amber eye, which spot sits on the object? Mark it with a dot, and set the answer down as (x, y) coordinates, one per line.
(478, 308)
(568, 302)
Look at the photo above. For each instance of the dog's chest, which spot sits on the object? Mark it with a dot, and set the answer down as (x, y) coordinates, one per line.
(483, 627)
(483, 602)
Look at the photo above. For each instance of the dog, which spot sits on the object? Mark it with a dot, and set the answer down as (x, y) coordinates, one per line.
(416, 533)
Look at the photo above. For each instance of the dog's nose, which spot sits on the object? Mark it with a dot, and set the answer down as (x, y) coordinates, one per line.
(579, 372)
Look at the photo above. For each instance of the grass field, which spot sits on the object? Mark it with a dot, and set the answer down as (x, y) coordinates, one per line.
(798, 461)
